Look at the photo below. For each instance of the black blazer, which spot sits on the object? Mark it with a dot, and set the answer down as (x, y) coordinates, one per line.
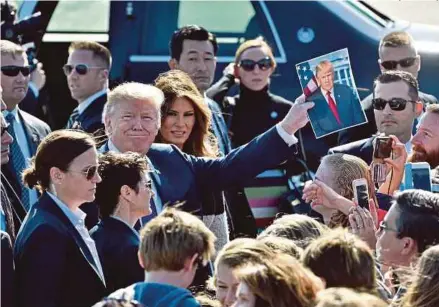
(362, 149)
(35, 131)
(117, 245)
(91, 119)
(53, 265)
(7, 270)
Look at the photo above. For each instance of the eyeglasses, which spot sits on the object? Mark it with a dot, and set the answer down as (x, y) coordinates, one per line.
(89, 172)
(13, 71)
(396, 104)
(384, 227)
(4, 129)
(81, 69)
(392, 65)
(249, 65)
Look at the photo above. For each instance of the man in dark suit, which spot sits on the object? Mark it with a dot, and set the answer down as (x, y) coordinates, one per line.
(87, 72)
(193, 50)
(336, 105)
(133, 123)
(121, 197)
(26, 129)
(396, 106)
(396, 51)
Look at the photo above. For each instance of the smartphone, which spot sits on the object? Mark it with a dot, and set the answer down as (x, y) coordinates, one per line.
(382, 147)
(421, 176)
(361, 192)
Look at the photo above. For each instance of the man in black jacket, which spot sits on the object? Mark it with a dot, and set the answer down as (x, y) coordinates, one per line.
(396, 51)
(87, 72)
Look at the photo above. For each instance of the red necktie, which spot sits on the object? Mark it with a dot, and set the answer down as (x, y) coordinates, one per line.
(333, 107)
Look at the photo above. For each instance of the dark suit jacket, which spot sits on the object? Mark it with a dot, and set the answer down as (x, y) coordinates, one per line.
(35, 130)
(7, 271)
(53, 264)
(348, 107)
(370, 128)
(220, 124)
(117, 245)
(91, 119)
(362, 149)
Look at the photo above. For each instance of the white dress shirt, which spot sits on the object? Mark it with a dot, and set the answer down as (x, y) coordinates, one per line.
(325, 94)
(21, 139)
(77, 219)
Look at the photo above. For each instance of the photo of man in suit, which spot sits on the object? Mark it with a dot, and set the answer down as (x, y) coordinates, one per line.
(336, 107)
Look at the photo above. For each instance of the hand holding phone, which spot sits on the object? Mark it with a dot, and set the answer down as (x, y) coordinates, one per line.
(382, 147)
(361, 192)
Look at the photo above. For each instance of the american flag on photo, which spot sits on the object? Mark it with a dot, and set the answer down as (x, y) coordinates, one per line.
(307, 79)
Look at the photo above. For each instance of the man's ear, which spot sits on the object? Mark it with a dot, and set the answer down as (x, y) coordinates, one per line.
(418, 62)
(419, 107)
(125, 191)
(189, 263)
(139, 256)
(410, 247)
(56, 175)
(104, 73)
(173, 64)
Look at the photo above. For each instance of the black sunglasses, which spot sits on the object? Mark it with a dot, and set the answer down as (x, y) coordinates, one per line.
(13, 71)
(4, 129)
(249, 65)
(81, 69)
(392, 65)
(396, 104)
(89, 172)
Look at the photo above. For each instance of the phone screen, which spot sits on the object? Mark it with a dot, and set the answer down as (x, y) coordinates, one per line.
(383, 147)
(363, 195)
(421, 179)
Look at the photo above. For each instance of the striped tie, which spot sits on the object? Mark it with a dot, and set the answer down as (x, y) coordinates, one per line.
(73, 118)
(18, 161)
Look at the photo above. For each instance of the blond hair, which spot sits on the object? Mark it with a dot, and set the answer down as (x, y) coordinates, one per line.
(8, 48)
(397, 39)
(173, 237)
(99, 51)
(281, 281)
(258, 42)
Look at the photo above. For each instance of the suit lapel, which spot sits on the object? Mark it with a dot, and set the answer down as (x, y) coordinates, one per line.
(48, 204)
(32, 136)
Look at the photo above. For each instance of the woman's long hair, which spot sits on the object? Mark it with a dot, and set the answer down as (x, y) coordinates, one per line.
(177, 84)
(424, 289)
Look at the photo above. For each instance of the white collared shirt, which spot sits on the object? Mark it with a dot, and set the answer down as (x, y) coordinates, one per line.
(87, 102)
(325, 94)
(77, 218)
(21, 139)
(408, 146)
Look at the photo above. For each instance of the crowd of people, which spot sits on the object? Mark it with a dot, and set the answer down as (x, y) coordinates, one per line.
(142, 200)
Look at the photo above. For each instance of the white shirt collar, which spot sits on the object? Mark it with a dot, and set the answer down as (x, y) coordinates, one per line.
(84, 105)
(76, 217)
(408, 146)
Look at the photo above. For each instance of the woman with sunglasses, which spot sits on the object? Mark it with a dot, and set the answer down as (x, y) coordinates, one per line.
(56, 262)
(254, 64)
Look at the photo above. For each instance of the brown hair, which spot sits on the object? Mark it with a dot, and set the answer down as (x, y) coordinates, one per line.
(342, 260)
(423, 291)
(397, 39)
(57, 149)
(392, 76)
(99, 51)
(282, 245)
(281, 281)
(172, 237)
(345, 169)
(344, 297)
(258, 42)
(177, 84)
(299, 228)
(117, 170)
(11, 49)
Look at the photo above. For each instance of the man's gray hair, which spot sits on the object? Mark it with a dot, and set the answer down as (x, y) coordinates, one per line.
(133, 91)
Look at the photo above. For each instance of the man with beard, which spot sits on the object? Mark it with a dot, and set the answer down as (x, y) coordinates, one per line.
(396, 104)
